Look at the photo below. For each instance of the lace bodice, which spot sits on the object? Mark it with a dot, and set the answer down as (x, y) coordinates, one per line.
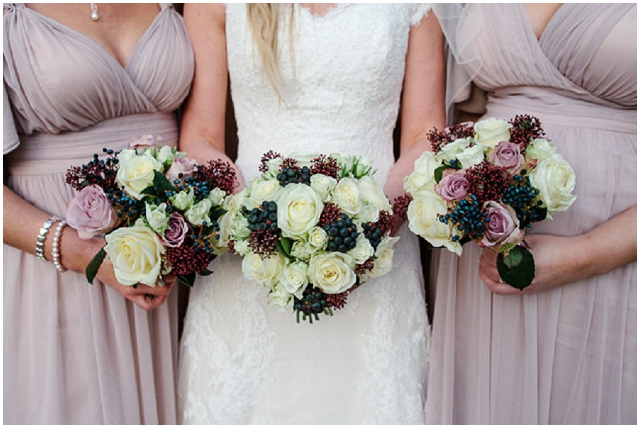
(340, 86)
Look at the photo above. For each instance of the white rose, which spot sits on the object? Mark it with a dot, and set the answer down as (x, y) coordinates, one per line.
(301, 249)
(217, 196)
(362, 251)
(451, 150)
(423, 214)
(323, 185)
(273, 168)
(384, 257)
(136, 173)
(540, 149)
(318, 238)
(264, 271)
(294, 277)
(367, 214)
(265, 190)
(332, 272)
(241, 247)
(157, 217)
(165, 155)
(471, 156)
(347, 196)
(183, 200)
(345, 161)
(299, 209)
(279, 298)
(422, 177)
(135, 253)
(371, 193)
(198, 214)
(556, 181)
(490, 132)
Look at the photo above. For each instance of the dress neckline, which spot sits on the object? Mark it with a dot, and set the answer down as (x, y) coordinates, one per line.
(325, 16)
(98, 46)
(550, 23)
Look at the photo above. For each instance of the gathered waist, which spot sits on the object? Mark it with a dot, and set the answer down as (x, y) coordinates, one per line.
(42, 153)
(553, 107)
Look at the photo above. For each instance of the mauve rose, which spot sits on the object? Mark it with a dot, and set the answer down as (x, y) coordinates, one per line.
(453, 187)
(177, 229)
(90, 212)
(502, 227)
(507, 155)
(181, 165)
(140, 144)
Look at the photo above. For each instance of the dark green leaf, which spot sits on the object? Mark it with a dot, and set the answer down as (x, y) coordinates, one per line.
(149, 190)
(437, 174)
(161, 183)
(216, 214)
(517, 267)
(93, 266)
(205, 272)
(187, 280)
(285, 246)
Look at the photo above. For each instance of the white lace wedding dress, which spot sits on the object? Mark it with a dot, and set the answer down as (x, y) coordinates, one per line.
(245, 362)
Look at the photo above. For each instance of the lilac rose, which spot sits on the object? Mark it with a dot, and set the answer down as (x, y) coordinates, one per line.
(90, 212)
(176, 231)
(140, 144)
(502, 227)
(453, 187)
(507, 155)
(181, 165)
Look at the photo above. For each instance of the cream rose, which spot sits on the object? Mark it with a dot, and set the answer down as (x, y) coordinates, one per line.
(422, 177)
(136, 173)
(198, 214)
(299, 209)
(471, 156)
(347, 196)
(323, 185)
(332, 272)
(165, 155)
(279, 298)
(362, 167)
(264, 271)
(490, 132)
(423, 221)
(184, 199)
(540, 149)
(294, 277)
(264, 190)
(384, 257)
(362, 251)
(135, 253)
(217, 196)
(157, 217)
(371, 193)
(556, 181)
(451, 150)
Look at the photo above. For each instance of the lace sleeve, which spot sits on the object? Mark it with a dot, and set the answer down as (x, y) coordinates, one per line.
(419, 11)
(9, 135)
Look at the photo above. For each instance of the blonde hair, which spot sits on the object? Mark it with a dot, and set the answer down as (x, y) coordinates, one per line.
(263, 19)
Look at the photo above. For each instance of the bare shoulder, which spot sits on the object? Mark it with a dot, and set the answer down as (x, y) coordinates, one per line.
(212, 13)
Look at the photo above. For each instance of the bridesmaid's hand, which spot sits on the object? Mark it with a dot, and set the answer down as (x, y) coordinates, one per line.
(557, 261)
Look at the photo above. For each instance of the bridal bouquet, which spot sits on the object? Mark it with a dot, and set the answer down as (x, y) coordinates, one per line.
(487, 183)
(312, 228)
(158, 211)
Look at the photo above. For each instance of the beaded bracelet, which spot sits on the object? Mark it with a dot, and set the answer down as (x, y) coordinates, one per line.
(42, 235)
(55, 252)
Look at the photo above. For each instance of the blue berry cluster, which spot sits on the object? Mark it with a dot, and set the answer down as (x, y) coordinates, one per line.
(263, 218)
(522, 197)
(373, 233)
(294, 175)
(343, 234)
(469, 218)
(313, 301)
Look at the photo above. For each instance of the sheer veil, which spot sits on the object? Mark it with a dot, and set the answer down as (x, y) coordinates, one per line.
(463, 58)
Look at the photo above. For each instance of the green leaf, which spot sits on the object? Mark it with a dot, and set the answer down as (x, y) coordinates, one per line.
(187, 280)
(92, 268)
(161, 183)
(517, 267)
(149, 190)
(216, 214)
(205, 272)
(437, 174)
(284, 245)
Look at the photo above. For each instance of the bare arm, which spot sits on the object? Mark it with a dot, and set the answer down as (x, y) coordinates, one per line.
(202, 134)
(563, 260)
(21, 226)
(423, 99)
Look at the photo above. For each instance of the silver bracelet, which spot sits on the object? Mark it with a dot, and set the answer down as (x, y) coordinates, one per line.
(55, 252)
(42, 235)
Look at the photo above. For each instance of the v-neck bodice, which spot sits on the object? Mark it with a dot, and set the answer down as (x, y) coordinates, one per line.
(574, 59)
(68, 82)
